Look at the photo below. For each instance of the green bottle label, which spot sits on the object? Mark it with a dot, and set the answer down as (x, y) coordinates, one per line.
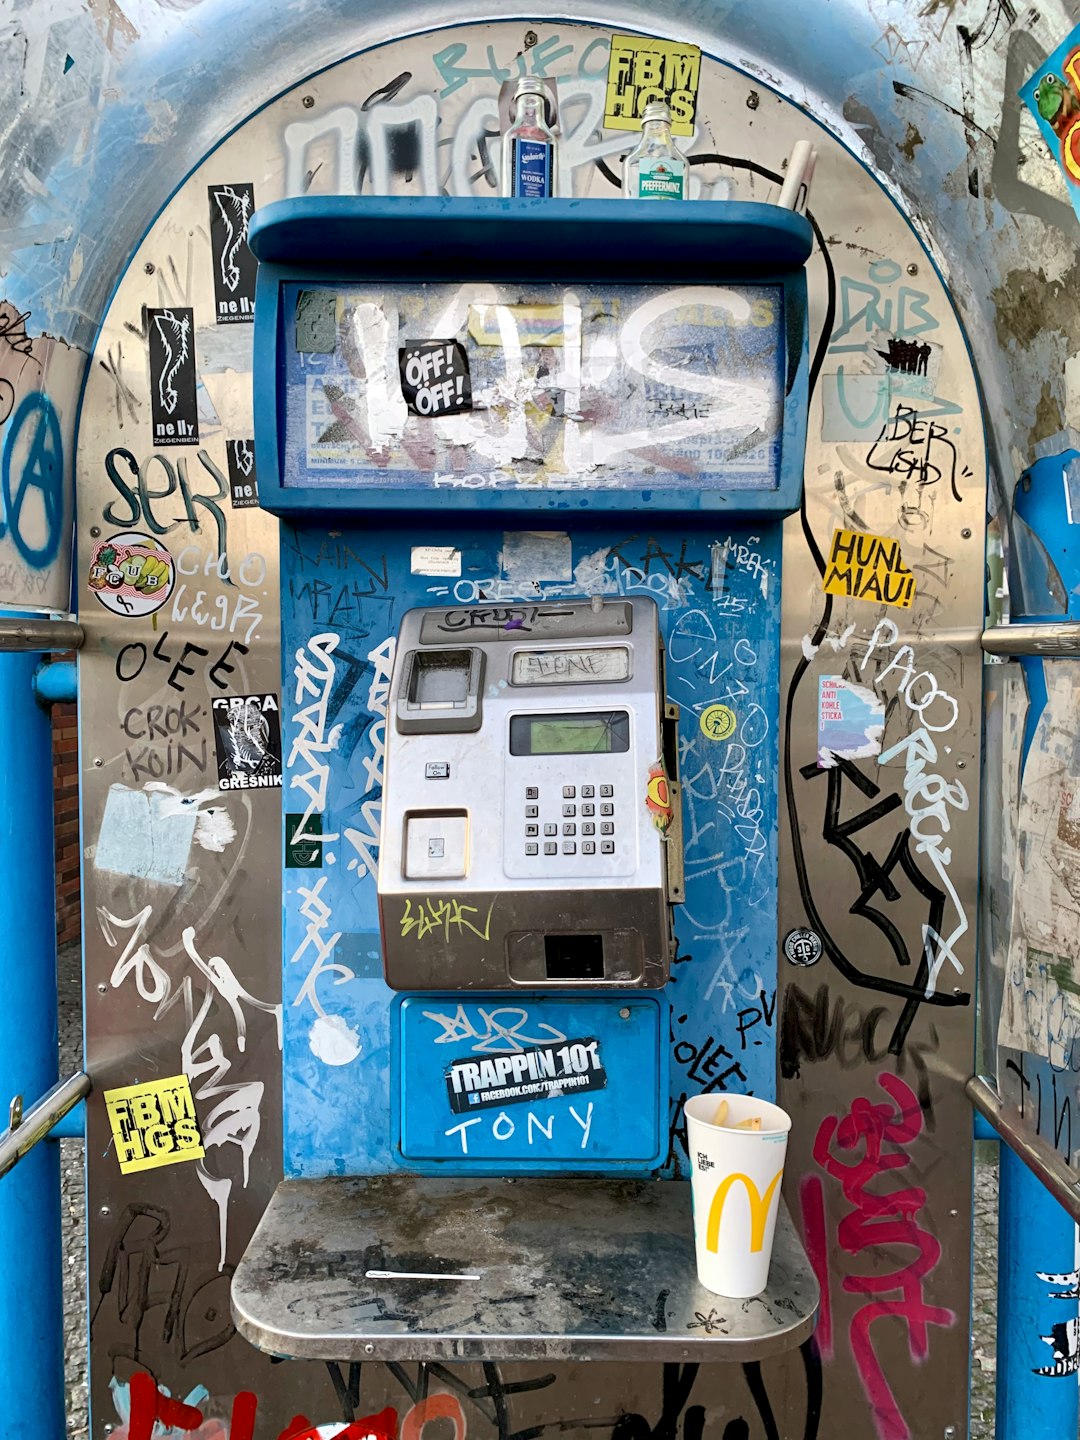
(662, 180)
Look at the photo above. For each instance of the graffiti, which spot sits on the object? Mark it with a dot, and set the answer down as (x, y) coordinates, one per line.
(500, 1029)
(439, 917)
(131, 661)
(885, 1222)
(155, 1302)
(913, 447)
(167, 733)
(33, 446)
(314, 673)
(821, 1027)
(366, 843)
(143, 503)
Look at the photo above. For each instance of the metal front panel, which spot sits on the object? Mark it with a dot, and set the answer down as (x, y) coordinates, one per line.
(714, 596)
(394, 107)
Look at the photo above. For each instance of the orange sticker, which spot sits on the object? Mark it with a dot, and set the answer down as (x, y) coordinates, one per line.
(658, 798)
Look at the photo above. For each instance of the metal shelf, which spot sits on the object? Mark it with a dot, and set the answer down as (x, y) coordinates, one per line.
(553, 1269)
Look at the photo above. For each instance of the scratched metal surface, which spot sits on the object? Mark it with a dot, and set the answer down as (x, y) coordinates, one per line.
(568, 1271)
(92, 149)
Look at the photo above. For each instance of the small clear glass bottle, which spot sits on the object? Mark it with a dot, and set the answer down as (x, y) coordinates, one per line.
(657, 169)
(529, 145)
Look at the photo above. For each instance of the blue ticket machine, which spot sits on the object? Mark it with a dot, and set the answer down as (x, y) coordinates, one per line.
(531, 459)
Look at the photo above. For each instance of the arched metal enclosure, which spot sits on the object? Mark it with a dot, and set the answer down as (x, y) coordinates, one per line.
(944, 366)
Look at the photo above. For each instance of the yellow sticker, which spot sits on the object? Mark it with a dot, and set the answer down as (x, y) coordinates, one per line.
(640, 70)
(154, 1124)
(718, 722)
(868, 567)
(528, 324)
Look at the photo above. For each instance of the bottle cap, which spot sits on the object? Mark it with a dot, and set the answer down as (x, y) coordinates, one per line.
(656, 110)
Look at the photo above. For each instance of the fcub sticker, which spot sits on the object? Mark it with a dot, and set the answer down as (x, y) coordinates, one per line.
(545, 1072)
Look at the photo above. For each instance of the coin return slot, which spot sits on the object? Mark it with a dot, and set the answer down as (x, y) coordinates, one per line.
(440, 679)
(574, 957)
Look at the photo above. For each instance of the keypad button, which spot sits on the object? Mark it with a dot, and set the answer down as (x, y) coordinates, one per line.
(588, 828)
(587, 792)
(607, 847)
(532, 792)
(606, 827)
(569, 828)
(531, 812)
(606, 790)
(551, 829)
(550, 847)
(530, 849)
(569, 848)
(607, 809)
(532, 829)
(569, 809)
(568, 792)
(588, 847)
(588, 809)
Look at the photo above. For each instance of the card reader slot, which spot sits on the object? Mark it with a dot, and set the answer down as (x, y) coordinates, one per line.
(574, 957)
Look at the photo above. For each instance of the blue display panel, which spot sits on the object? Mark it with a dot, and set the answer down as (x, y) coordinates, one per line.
(531, 1082)
(527, 387)
(344, 591)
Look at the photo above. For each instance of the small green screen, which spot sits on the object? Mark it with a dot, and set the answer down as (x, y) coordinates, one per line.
(570, 737)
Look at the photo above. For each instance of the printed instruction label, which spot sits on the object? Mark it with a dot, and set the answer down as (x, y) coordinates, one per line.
(154, 1124)
(546, 1072)
(435, 560)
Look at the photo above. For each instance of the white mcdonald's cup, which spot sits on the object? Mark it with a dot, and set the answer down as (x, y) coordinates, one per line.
(735, 1182)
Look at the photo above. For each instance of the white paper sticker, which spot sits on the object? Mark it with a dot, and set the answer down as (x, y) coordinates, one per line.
(435, 560)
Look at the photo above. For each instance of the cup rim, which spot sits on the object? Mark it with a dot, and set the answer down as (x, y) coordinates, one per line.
(777, 1128)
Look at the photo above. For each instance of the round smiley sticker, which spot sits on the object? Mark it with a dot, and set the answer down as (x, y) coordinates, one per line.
(718, 722)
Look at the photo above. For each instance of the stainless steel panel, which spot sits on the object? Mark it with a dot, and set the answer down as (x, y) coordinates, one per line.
(537, 1270)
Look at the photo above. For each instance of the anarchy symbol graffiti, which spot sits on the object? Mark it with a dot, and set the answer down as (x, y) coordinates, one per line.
(33, 460)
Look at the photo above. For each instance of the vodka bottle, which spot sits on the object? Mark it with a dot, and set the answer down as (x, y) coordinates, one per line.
(529, 145)
(656, 170)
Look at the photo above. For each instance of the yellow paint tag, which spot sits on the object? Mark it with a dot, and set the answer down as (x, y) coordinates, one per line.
(528, 324)
(718, 722)
(154, 1124)
(640, 70)
(868, 567)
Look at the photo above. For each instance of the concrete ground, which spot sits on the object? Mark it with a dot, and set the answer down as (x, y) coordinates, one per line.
(71, 1169)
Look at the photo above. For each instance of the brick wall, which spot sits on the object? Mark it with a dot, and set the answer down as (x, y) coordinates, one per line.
(66, 821)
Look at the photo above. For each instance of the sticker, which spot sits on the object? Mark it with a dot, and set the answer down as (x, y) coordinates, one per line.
(851, 721)
(1053, 97)
(435, 377)
(303, 842)
(247, 733)
(173, 408)
(146, 834)
(546, 1072)
(234, 264)
(658, 798)
(154, 1124)
(802, 946)
(640, 70)
(530, 324)
(435, 560)
(131, 574)
(868, 567)
(316, 322)
(243, 489)
(529, 556)
(718, 722)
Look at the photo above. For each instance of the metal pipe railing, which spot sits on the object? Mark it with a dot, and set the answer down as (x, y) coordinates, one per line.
(1041, 1158)
(40, 635)
(1059, 638)
(36, 1123)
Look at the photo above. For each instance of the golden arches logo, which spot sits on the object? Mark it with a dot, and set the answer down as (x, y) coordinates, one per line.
(759, 1210)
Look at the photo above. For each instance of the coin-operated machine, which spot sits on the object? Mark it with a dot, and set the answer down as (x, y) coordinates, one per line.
(530, 460)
